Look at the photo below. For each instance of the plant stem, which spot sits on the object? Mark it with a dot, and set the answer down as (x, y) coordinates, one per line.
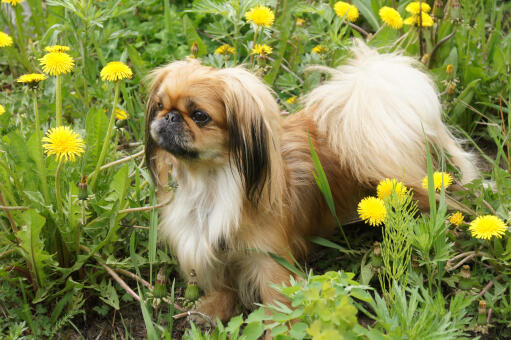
(21, 39)
(57, 190)
(58, 101)
(42, 165)
(253, 46)
(94, 174)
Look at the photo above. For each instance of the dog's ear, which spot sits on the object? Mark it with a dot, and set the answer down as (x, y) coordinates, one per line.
(252, 117)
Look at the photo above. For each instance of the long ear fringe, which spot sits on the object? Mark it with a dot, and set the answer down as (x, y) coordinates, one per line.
(253, 120)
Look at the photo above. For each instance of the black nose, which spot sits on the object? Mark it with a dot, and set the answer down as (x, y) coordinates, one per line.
(174, 116)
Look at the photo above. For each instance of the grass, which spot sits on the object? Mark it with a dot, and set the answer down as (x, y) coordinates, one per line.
(72, 255)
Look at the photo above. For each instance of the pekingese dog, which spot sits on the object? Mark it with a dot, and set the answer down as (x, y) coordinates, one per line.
(244, 173)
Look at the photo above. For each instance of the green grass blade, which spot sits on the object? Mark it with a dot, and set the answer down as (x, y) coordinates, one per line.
(324, 187)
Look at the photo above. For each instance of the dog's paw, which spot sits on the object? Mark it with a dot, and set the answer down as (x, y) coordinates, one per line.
(202, 320)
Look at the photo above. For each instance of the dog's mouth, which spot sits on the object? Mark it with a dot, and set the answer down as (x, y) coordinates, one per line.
(173, 139)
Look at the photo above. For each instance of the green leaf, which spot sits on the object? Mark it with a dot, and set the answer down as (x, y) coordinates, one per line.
(234, 325)
(109, 294)
(96, 125)
(119, 183)
(324, 187)
(281, 329)
(364, 6)
(137, 61)
(329, 244)
(285, 263)
(257, 316)
(285, 26)
(298, 331)
(253, 331)
(33, 246)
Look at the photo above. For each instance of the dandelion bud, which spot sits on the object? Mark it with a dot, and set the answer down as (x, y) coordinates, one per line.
(82, 189)
(195, 49)
(437, 9)
(425, 59)
(465, 278)
(375, 256)
(192, 290)
(455, 10)
(481, 310)
(160, 288)
(376, 248)
(121, 123)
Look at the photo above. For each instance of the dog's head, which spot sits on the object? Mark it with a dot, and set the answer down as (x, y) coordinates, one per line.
(205, 117)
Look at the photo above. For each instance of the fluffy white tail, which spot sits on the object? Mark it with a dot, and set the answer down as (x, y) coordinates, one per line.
(377, 111)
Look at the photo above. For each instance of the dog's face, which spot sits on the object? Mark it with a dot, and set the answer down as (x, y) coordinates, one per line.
(188, 115)
(206, 117)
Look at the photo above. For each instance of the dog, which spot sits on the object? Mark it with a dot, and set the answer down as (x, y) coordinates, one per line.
(244, 173)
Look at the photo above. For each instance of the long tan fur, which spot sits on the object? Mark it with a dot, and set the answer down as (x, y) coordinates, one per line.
(245, 187)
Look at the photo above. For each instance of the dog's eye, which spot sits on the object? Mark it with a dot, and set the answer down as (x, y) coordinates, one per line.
(200, 117)
(160, 106)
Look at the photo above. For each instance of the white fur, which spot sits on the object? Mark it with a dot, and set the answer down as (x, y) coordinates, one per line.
(377, 111)
(206, 208)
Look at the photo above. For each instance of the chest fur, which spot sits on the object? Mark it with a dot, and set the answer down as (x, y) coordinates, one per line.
(204, 214)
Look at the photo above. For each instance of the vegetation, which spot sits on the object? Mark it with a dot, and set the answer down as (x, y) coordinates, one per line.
(78, 224)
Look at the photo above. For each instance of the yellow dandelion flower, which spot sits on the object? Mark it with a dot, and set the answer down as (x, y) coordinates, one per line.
(344, 9)
(56, 63)
(427, 20)
(449, 69)
(386, 186)
(261, 16)
(63, 143)
(437, 180)
(12, 2)
(291, 100)
(485, 227)
(120, 114)
(372, 210)
(31, 78)
(300, 22)
(414, 7)
(5, 40)
(262, 50)
(56, 48)
(410, 21)
(456, 218)
(225, 49)
(391, 17)
(2, 109)
(116, 70)
(319, 49)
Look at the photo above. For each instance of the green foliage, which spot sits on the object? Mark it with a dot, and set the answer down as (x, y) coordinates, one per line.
(396, 247)
(419, 315)
(54, 257)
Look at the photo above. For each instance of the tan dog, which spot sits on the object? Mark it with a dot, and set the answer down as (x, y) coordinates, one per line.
(244, 174)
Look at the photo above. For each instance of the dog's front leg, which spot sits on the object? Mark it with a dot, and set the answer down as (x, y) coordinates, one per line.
(269, 272)
(217, 304)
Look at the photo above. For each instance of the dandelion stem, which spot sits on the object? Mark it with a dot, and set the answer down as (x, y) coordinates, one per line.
(253, 46)
(94, 175)
(42, 165)
(21, 39)
(58, 101)
(57, 189)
